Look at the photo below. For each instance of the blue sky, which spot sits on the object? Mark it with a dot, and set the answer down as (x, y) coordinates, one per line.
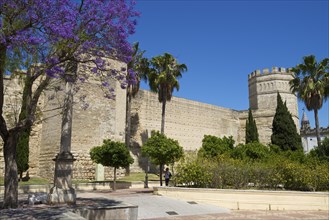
(221, 42)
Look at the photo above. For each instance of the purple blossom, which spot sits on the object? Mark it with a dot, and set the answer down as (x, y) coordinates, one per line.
(131, 77)
(57, 31)
(94, 70)
(105, 84)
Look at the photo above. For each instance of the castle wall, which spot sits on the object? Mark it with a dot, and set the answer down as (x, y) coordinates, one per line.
(103, 119)
(186, 121)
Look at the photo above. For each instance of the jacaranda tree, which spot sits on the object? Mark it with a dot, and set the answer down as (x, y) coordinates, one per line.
(49, 34)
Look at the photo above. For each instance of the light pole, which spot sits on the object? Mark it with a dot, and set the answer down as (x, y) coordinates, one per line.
(146, 183)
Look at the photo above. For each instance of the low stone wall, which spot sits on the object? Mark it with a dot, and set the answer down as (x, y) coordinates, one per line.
(111, 211)
(85, 186)
(250, 199)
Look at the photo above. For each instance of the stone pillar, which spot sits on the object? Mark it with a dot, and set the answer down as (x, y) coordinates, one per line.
(62, 191)
(99, 172)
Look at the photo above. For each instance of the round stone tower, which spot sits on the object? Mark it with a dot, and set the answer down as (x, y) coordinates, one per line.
(263, 88)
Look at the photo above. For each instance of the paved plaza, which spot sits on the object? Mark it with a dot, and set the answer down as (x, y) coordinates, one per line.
(153, 207)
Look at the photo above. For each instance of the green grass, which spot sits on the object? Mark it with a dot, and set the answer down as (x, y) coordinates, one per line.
(32, 181)
(138, 177)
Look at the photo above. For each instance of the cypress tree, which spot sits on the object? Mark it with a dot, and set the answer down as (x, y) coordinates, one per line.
(22, 153)
(22, 149)
(251, 129)
(284, 131)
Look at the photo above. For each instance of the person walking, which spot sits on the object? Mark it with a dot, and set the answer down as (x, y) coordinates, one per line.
(167, 176)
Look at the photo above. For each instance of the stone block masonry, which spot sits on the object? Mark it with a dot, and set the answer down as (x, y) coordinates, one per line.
(186, 121)
(263, 88)
(103, 119)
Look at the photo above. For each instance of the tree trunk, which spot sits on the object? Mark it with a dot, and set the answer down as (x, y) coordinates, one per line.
(3, 51)
(3, 125)
(11, 178)
(164, 100)
(115, 179)
(317, 127)
(128, 122)
(161, 173)
(9, 150)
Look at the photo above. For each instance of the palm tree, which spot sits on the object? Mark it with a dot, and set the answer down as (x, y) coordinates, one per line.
(138, 66)
(163, 79)
(311, 81)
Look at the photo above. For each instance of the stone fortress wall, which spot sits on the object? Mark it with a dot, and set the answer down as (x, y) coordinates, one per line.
(103, 119)
(186, 121)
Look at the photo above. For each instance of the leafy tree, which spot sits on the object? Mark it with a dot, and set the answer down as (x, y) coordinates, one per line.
(310, 82)
(49, 34)
(251, 129)
(111, 154)
(284, 131)
(162, 150)
(250, 151)
(322, 151)
(213, 146)
(163, 78)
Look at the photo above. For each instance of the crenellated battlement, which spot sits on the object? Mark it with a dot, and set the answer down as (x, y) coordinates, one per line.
(264, 85)
(266, 71)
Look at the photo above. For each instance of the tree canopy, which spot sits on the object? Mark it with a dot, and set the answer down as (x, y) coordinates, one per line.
(213, 146)
(163, 79)
(311, 83)
(44, 36)
(251, 129)
(111, 154)
(162, 150)
(284, 130)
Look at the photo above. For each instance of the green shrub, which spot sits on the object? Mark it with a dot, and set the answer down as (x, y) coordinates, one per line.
(213, 146)
(297, 176)
(193, 172)
(250, 151)
(322, 151)
(264, 167)
(236, 174)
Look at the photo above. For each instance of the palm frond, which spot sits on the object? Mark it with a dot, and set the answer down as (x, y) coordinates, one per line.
(165, 74)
